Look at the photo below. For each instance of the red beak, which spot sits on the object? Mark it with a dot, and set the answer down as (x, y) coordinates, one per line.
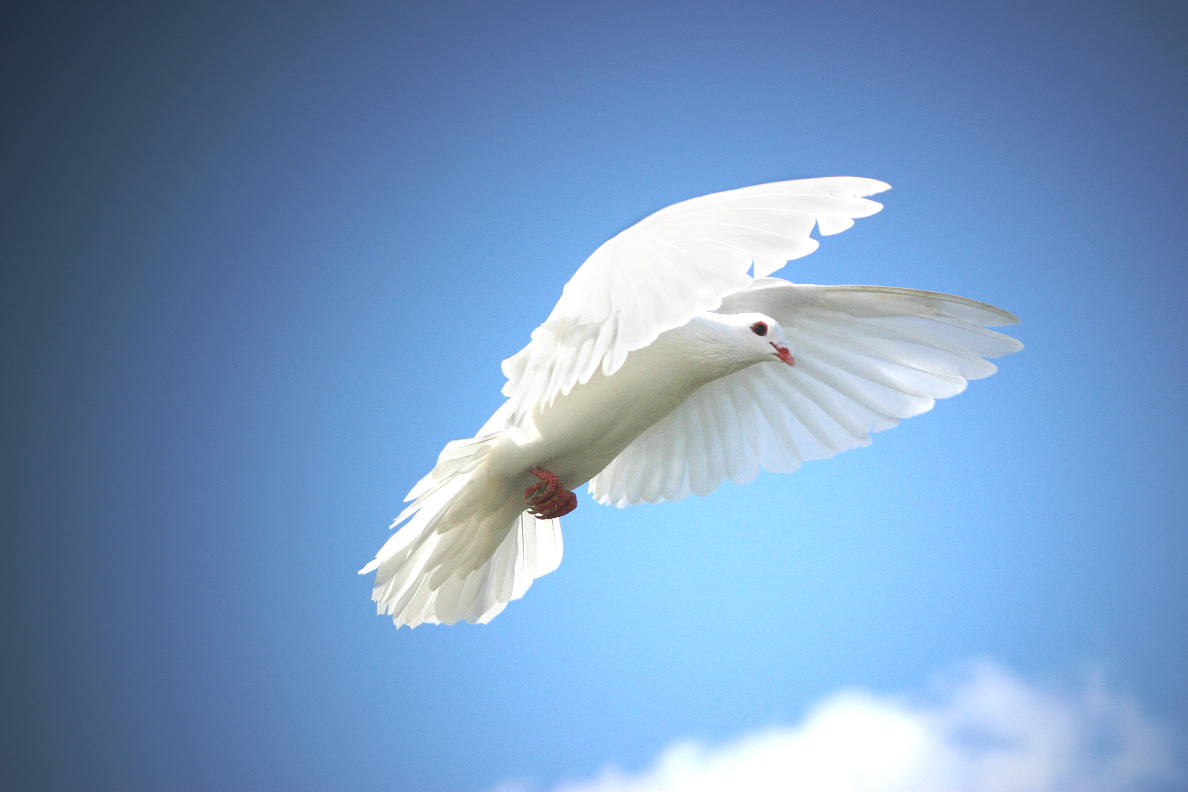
(783, 354)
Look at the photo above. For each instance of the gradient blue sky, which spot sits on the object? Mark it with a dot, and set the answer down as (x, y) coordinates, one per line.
(261, 261)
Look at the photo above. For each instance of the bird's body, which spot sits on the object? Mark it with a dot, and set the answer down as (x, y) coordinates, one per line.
(581, 432)
(666, 369)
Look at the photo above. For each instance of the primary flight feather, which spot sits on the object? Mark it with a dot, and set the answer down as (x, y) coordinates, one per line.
(665, 369)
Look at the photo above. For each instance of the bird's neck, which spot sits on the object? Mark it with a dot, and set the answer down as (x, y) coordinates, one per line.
(704, 349)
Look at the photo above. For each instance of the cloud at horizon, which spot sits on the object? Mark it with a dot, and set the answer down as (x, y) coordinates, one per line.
(983, 729)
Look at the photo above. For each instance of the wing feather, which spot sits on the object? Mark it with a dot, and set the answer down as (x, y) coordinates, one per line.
(667, 268)
(866, 357)
(785, 451)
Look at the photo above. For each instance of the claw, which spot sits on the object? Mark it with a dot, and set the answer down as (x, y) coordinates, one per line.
(563, 504)
(551, 503)
(548, 499)
(548, 486)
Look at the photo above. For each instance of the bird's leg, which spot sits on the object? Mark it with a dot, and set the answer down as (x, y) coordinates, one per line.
(548, 499)
(548, 486)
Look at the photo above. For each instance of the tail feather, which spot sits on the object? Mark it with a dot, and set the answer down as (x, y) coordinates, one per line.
(468, 548)
(459, 456)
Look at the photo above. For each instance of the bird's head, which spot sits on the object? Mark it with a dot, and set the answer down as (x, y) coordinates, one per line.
(759, 337)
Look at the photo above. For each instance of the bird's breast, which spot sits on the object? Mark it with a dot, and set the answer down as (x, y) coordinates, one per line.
(581, 432)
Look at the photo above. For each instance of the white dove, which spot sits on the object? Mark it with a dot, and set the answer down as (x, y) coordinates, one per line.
(664, 369)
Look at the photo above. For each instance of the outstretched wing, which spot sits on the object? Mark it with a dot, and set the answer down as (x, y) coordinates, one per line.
(670, 266)
(866, 357)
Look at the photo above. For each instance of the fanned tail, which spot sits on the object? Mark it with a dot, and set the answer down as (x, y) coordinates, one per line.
(468, 548)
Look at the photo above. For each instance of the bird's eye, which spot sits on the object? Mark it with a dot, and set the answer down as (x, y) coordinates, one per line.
(759, 328)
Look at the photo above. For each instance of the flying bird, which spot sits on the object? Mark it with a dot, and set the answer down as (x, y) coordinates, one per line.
(666, 368)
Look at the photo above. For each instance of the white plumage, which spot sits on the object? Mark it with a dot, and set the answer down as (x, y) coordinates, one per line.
(665, 369)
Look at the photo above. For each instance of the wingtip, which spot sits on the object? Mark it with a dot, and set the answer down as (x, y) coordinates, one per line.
(878, 187)
(864, 186)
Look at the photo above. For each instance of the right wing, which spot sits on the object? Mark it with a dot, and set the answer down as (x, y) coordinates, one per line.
(664, 270)
(866, 357)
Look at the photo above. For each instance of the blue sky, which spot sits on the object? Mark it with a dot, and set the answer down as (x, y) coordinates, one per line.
(262, 262)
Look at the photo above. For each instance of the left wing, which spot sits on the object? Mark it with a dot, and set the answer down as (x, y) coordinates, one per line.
(866, 357)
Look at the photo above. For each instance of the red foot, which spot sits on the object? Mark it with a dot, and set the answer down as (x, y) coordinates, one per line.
(548, 499)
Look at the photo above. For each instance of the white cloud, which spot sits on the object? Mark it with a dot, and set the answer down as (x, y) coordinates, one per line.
(984, 731)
